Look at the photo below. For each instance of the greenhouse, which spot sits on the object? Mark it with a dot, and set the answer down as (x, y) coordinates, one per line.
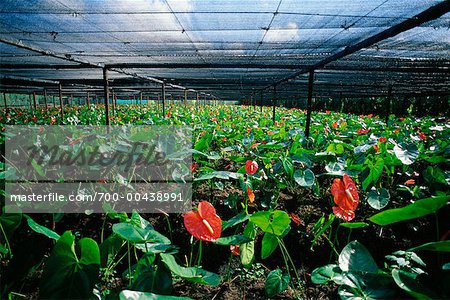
(189, 149)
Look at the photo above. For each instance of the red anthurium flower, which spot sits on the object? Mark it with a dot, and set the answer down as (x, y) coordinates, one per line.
(251, 167)
(251, 195)
(422, 136)
(234, 250)
(410, 182)
(362, 131)
(295, 219)
(194, 167)
(346, 198)
(335, 125)
(204, 224)
(382, 139)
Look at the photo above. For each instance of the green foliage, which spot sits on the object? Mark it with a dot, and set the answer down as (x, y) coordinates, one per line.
(68, 275)
(276, 282)
(418, 209)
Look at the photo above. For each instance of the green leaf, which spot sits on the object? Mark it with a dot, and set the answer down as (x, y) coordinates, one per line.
(219, 175)
(441, 246)
(355, 257)
(237, 219)
(134, 234)
(37, 168)
(304, 178)
(275, 222)
(232, 240)
(203, 143)
(378, 199)
(41, 229)
(325, 274)
(10, 222)
(276, 282)
(109, 249)
(151, 277)
(66, 276)
(354, 224)
(247, 250)
(406, 153)
(269, 244)
(408, 282)
(375, 171)
(418, 209)
(192, 274)
(134, 295)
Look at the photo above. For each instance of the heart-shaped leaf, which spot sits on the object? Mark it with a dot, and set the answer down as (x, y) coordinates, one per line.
(304, 178)
(378, 199)
(276, 282)
(355, 257)
(67, 276)
(275, 222)
(134, 234)
(406, 153)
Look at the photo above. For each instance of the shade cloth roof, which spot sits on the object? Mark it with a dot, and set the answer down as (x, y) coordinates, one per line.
(229, 49)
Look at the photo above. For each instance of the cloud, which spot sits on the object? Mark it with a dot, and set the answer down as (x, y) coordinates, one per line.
(279, 35)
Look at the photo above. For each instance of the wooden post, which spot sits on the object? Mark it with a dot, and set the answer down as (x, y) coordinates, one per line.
(163, 98)
(54, 101)
(106, 94)
(88, 101)
(196, 98)
(71, 99)
(388, 103)
(309, 103)
(45, 98)
(185, 97)
(61, 110)
(34, 101)
(140, 98)
(274, 102)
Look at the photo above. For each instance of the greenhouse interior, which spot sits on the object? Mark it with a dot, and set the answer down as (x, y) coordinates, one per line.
(197, 149)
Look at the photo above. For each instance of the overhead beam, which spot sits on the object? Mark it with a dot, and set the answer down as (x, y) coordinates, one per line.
(441, 68)
(427, 15)
(18, 78)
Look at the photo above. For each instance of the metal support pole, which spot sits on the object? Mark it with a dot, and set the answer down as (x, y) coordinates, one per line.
(185, 97)
(274, 102)
(4, 101)
(34, 101)
(261, 94)
(163, 97)
(106, 94)
(45, 98)
(54, 101)
(113, 103)
(61, 110)
(309, 103)
(71, 99)
(388, 103)
(196, 98)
